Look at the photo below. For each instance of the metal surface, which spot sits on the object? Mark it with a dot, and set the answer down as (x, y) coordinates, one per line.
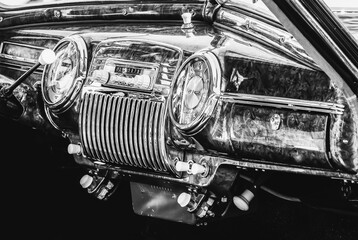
(215, 75)
(110, 124)
(81, 72)
(287, 103)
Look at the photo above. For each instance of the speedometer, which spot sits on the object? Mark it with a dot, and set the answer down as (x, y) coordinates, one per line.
(63, 79)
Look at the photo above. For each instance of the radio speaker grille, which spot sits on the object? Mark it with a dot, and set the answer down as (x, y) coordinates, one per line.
(123, 131)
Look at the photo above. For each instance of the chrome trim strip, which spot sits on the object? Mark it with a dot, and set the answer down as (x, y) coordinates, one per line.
(141, 135)
(150, 136)
(93, 115)
(102, 135)
(117, 124)
(107, 128)
(136, 134)
(98, 118)
(145, 135)
(81, 74)
(122, 130)
(214, 68)
(287, 103)
(112, 129)
(155, 136)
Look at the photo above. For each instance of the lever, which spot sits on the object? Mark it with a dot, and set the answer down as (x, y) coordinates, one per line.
(47, 56)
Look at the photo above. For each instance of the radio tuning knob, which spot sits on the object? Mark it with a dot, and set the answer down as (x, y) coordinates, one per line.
(101, 76)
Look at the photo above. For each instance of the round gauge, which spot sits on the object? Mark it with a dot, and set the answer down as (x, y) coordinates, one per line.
(195, 92)
(63, 78)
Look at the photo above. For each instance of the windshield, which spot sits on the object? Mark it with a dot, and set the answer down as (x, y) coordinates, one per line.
(346, 10)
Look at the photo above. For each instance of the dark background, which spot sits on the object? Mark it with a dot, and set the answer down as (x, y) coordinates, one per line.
(42, 199)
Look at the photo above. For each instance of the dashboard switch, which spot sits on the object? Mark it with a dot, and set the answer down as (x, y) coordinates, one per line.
(184, 199)
(101, 76)
(74, 148)
(242, 202)
(182, 166)
(197, 169)
(86, 181)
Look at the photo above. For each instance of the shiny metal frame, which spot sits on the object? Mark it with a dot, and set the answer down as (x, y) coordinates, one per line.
(288, 103)
(215, 84)
(65, 103)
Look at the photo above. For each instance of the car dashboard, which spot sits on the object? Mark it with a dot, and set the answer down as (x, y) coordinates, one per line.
(178, 108)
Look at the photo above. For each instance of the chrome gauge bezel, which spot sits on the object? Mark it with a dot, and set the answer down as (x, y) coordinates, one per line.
(199, 122)
(80, 75)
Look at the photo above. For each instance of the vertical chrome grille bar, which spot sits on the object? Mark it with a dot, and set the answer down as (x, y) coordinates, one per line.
(156, 137)
(83, 125)
(136, 132)
(130, 133)
(116, 123)
(150, 136)
(113, 130)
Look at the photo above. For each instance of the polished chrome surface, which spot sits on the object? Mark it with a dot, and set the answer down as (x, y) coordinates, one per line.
(66, 102)
(288, 103)
(123, 131)
(204, 114)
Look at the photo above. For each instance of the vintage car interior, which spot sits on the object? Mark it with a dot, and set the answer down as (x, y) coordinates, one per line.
(200, 106)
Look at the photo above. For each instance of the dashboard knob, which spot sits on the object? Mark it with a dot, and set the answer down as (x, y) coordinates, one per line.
(242, 202)
(142, 81)
(74, 148)
(197, 169)
(86, 181)
(101, 76)
(182, 166)
(184, 199)
(47, 56)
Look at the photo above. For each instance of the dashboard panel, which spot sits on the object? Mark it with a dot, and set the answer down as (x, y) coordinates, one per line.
(176, 107)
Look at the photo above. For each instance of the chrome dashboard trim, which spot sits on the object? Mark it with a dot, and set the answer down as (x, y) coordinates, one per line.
(279, 102)
(215, 74)
(81, 74)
